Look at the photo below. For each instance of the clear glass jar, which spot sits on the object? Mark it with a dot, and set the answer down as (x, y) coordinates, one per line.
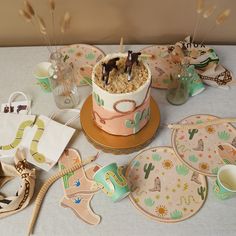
(63, 84)
(179, 88)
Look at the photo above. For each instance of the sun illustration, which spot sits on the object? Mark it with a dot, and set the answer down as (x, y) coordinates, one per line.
(210, 129)
(203, 166)
(161, 210)
(167, 164)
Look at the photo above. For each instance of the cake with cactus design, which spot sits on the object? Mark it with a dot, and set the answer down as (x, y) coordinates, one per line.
(121, 93)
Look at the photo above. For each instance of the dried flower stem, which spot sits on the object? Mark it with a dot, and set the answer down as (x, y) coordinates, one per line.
(121, 45)
(220, 19)
(199, 10)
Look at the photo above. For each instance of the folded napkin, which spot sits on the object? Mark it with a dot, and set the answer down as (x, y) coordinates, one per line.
(205, 61)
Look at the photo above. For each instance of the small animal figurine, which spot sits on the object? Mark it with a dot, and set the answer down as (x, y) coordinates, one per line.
(157, 185)
(108, 67)
(131, 59)
(21, 108)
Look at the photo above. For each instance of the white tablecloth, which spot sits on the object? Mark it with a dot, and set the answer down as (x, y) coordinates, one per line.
(215, 218)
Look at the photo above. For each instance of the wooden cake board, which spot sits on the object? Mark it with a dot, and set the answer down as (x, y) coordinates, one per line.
(118, 144)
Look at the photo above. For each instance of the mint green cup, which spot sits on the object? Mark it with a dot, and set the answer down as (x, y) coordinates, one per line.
(112, 182)
(225, 185)
(41, 73)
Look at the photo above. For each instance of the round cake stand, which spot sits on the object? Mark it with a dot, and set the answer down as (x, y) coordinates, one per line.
(118, 144)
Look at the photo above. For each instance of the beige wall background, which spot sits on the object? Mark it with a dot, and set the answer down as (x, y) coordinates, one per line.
(105, 21)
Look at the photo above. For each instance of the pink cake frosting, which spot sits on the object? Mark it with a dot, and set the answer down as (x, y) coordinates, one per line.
(121, 113)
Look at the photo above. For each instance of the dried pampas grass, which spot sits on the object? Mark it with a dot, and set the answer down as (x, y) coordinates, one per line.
(200, 6)
(209, 11)
(42, 25)
(52, 5)
(222, 17)
(29, 8)
(65, 25)
(25, 15)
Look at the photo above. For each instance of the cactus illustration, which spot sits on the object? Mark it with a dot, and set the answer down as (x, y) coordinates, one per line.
(90, 56)
(147, 169)
(149, 202)
(136, 164)
(66, 177)
(224, 135)
(192, 132)
(156, 157)
(66, 57)
(201, 192)
(138, 117)
(98, 100)
(176, 215)
(182, 170)
(215, 170)
(193, 158)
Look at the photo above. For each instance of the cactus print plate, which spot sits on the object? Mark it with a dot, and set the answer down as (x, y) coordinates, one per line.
(205, 150)
(161, 65)
(163, 188)
(83, 57)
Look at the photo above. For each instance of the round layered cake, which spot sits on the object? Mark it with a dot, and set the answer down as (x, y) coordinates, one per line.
(121, 94)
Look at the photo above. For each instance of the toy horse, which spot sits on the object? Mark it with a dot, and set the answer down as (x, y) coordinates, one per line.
(108, 67)
(131, 59)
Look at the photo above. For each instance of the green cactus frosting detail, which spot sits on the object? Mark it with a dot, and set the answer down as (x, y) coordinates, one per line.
(201, 191)
(149, 202)
(182, 170)
(90, 56)
(138, 117)
(98, 100)
(192, 132)
(193, 158)
(147, 169)
(156, 157)
(176, 215)
(66, 177)
(224, 135)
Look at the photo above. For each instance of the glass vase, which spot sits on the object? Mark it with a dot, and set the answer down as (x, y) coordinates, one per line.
(179, 87)
(63, 83)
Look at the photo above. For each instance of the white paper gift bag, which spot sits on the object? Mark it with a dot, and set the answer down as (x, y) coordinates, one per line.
(15, 122)
(48, 141)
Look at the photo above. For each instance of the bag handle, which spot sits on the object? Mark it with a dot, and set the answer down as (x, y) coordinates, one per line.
(67, 110)
(14, 95)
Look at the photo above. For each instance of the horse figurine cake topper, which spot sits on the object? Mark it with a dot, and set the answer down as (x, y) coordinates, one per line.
(107, 68)
(131, 59)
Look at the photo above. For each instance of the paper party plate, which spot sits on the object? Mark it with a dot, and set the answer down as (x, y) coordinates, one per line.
(205, 150)
(160, 65)
(83, 57)
(163, 188)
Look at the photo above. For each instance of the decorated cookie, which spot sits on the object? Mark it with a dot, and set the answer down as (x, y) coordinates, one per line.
(79, 188)
(163, 188)
(83, 57)
(207, 149)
